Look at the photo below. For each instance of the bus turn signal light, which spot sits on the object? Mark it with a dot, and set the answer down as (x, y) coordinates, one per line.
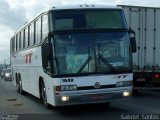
(58, 88)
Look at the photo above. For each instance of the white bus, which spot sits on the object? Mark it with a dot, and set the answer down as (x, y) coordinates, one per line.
(72, 55)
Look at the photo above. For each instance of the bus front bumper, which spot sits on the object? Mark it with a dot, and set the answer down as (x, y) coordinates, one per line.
(87, 97)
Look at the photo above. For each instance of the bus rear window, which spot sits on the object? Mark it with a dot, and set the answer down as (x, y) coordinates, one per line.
(88, 19)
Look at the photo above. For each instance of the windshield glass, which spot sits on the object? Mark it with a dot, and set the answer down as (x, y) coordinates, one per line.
(92, 52)
(88, 19)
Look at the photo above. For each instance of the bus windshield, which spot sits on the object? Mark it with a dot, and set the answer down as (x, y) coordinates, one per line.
(87, 19)
(100, 52)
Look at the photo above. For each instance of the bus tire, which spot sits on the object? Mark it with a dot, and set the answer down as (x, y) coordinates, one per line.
(106, 104)
(19, 85)
(20, 89)
(44, 95)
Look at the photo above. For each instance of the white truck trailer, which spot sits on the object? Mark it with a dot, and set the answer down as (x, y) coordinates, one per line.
(145, 21)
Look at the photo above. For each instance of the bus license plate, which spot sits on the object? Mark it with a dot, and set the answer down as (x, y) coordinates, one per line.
(96, 97)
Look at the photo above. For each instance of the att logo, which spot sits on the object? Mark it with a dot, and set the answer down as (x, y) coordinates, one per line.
(68, 80)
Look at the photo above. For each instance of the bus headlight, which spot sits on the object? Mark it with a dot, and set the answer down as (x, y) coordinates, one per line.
(7, 74)
(68, 87)
(124, 83)
(65, 98)
(126, 93)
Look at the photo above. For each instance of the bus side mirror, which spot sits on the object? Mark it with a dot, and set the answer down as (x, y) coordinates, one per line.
(132, 40)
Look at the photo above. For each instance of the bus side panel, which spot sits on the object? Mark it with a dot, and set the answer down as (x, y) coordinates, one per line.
(30, 71)
(28, 65)
(33, 69)
(50, 84)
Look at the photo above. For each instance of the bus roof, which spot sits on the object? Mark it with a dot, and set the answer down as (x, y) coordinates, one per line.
(85, 6)
(78, 6)
(69, 7)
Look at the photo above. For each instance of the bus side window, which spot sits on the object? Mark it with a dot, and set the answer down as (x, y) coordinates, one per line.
(46, 57)
(44, 27)
(38, 31)
(31, 34)
(20, 41)
(13, 44)
(11, 47)
(34, 33)
(29, 37)
(26, 37)
(17, 42)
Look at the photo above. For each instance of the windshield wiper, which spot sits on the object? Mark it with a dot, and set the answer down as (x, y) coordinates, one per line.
(84, 65)
(106, 62)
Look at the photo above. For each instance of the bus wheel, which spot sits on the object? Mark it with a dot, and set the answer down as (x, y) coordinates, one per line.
(19, 86)
(106, 104)
(44, 95)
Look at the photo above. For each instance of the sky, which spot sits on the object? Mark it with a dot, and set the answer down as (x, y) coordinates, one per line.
(14, 13)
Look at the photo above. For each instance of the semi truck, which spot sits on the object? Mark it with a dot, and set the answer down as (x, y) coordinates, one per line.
(145, 21)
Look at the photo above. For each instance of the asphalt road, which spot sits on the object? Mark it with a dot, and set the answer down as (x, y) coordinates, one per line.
(13, 105)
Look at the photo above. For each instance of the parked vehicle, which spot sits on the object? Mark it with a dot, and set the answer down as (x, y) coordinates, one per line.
(7, 75)
(2, 73)
(146, 61)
